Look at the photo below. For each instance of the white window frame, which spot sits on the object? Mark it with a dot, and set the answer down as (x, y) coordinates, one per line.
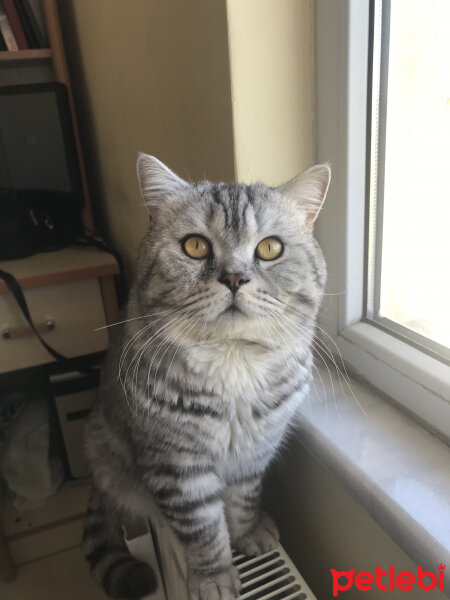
(417, 381)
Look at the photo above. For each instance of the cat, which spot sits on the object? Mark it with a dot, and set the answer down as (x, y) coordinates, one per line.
(204, 374)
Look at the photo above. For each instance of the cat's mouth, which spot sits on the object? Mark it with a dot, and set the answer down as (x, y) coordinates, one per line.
(231, 310)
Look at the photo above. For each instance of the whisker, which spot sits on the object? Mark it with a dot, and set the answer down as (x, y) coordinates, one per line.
(129, 343)
(162, 312)
(293, 339)
(133, 319)
(320, 347)
(339, 371)
(144, 346)
(293, 328)
(165, 340)
(177, 348)
(183, 329)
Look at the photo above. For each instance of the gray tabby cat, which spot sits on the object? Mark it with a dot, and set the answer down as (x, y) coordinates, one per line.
(206, 373)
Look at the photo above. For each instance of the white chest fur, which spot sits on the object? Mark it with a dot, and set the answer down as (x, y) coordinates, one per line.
(241, 373)
(233, 368)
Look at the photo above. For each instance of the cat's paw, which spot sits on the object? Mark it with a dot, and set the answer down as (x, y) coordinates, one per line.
(218, 586)
(263, 538)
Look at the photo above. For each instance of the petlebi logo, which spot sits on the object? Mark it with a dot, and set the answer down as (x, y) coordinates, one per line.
(388, 580)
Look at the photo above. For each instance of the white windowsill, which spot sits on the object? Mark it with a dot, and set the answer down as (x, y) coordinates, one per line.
(419, 382)
(396, 469)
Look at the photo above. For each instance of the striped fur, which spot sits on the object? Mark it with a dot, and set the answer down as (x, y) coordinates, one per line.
(195, 399)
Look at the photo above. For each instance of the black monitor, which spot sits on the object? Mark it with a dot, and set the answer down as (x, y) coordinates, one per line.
(40, 179)
(37, 144)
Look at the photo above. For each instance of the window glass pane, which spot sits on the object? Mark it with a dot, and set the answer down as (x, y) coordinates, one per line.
(414, 284)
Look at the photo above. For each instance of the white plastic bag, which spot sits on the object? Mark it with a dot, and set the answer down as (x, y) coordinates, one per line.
(30, 473)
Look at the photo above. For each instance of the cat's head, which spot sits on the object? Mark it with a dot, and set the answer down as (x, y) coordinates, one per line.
(231, 254)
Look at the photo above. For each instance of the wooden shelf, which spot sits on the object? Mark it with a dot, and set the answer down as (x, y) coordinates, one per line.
(25, 54)
(61, 266)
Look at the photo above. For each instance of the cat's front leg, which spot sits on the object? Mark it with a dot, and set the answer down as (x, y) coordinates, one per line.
(198, 520)
(252, 531)
(211, 576)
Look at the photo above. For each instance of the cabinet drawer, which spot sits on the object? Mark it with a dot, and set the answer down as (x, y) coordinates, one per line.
(67, 316)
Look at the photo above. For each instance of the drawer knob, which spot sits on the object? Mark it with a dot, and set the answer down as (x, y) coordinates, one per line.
(15, 333)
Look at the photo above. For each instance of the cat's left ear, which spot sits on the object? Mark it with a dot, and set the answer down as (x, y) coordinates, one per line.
(158, 184)
(308, 191)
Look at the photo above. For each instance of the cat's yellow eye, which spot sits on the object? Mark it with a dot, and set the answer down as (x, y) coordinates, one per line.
(269, 249)
(196, 246)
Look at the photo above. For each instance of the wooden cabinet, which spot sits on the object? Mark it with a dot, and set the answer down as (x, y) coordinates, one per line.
(70, 294)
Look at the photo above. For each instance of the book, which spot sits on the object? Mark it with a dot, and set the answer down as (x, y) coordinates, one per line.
(7, 32)
(16, 25)
(37, 10)
(33, 31)
(29, 33)
(2, 43)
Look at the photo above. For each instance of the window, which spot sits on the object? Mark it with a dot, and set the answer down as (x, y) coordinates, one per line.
(408, 283)
(385, 137)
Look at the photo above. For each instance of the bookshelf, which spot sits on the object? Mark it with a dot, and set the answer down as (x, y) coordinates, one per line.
(69, 266)
(23, 64)
(40, 53)
(56, 55)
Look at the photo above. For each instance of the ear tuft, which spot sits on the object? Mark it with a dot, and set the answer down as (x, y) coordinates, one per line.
(158, 184)
(308, 190)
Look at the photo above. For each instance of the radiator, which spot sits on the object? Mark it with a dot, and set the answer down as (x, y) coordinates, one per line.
(271, 576)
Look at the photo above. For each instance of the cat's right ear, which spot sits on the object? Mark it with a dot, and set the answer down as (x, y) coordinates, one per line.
(158, 184)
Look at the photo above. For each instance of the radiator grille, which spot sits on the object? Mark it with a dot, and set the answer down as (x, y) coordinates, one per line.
(271, 576)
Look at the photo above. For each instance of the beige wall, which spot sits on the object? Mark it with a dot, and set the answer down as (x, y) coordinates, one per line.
(150, 75)
(272, 87)
(154, 75)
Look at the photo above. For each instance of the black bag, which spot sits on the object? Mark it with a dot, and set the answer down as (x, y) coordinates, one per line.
(36, 221)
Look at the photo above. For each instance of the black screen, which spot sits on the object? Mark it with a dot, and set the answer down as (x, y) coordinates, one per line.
(37, 147)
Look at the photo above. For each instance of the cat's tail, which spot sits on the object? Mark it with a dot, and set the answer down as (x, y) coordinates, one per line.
(121, 575)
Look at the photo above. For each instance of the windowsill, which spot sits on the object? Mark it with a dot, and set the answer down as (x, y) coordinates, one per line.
(419, 382)
(396, 469)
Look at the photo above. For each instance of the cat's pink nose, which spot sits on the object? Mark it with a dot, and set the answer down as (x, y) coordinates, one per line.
(233, 281)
